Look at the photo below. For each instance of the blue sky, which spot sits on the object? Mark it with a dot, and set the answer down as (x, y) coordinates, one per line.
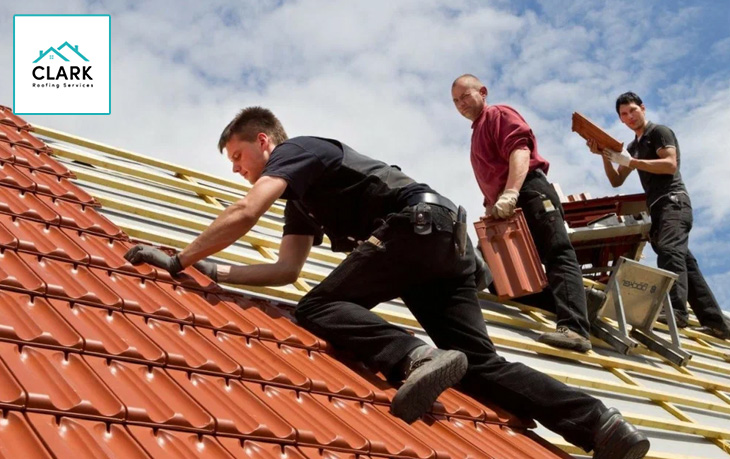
(377, 76)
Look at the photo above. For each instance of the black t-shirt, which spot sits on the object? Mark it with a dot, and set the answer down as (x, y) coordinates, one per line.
(334, 190)
(654, 138)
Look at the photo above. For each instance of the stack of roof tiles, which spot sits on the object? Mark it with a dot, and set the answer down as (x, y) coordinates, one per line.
(102, 358)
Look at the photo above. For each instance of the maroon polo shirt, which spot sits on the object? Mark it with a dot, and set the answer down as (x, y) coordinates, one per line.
(498, 132)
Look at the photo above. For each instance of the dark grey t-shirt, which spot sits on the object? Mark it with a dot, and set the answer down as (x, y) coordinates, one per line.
(334, 190)
(655, 186)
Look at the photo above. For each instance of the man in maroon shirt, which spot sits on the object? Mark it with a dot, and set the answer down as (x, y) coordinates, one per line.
(511, 173)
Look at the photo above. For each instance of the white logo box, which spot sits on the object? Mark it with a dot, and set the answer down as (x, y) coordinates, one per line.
(61, 64)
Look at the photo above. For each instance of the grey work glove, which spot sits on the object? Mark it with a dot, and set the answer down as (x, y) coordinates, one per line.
(208, 268)
(146, 254)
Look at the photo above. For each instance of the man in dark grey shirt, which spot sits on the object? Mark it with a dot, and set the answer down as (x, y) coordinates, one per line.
(654, 152)
(410, 250)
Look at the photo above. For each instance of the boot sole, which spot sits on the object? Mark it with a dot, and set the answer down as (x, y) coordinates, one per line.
(415, 397)
(636, 451)
(570, 345)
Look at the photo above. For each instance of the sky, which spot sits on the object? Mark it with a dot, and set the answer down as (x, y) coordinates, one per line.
(377, 76)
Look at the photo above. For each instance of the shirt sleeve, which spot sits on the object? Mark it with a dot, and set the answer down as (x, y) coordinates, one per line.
(299, 223)
(663, 137)
(298, 166)
(511, 133)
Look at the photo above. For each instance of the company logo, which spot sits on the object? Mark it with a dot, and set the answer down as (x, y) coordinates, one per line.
(62, 64)
(641, 286)
(62, 72)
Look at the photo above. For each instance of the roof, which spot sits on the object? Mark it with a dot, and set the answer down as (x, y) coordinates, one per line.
(102, 358)
(247, 338)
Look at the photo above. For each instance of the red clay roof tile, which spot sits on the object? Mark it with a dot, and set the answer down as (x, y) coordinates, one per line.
(247, 449)
(59, 187)
(237, 411)
(67, 384)
(74, 215)
(326, 374)
(12, 394)
(109, 332)
(7, 238)
(144, 296)
(16, 274)
(26, 205)
(11, 119)
(34, 321)
(258, 362)
(274, 323)
(185, 347)
(150, 395)
(44, 239)
(315, 424)
(81, 439)
(107, 252)
(15, 178)
(72, 282)
(385, 436)
(18, 438)
(164, 444)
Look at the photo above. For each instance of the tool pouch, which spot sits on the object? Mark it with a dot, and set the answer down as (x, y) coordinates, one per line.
(460, 231)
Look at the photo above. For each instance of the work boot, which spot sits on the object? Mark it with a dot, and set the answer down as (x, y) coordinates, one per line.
(680, 319)
(617, 438)
(594, 302)
(564, 337)
(428, 372)
(717, 332)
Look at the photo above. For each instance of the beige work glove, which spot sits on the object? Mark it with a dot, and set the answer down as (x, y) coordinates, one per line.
(619, 157)
(505, 205)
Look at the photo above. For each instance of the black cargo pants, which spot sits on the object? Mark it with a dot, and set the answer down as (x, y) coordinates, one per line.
(671, 222)
(565, 295)
(438, 287)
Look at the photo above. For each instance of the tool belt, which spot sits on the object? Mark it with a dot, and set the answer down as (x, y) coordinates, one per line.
(422, 219)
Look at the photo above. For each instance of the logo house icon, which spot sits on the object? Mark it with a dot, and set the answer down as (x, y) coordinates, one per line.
(50, 52)
(46, 71)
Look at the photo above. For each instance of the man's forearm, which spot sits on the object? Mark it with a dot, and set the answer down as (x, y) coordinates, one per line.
(655, 166)
(611, 173)
(257, 275)
(230, 225)
(519, 165)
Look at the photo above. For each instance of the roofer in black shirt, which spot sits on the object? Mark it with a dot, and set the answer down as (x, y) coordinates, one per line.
(404, 242)
(654, 152)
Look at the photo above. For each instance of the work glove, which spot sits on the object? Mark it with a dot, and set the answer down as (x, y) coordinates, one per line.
(208, 268)
(146, 254)
(619, 157)
(505, 205)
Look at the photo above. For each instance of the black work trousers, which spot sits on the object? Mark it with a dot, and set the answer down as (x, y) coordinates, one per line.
(438, 286)
(671, 222)
(565, 295)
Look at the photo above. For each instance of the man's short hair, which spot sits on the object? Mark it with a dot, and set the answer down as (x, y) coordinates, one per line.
(471, 79)
(627, 98)
(249, 123)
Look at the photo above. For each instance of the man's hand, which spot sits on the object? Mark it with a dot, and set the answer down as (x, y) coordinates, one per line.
(619, 157)
(146, 254)
(593, 147)
(505, 205)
